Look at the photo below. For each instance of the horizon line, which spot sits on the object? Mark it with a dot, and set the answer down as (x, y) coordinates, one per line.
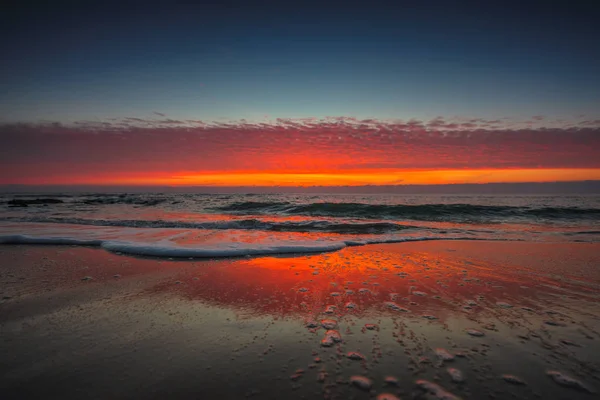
(556, 187)
(310, 186)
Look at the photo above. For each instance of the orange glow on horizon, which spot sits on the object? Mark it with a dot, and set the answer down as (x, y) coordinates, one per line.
(333, 178)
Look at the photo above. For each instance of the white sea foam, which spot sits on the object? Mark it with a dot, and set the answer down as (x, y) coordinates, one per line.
(185, 243)
(160, 249)
(242, 250)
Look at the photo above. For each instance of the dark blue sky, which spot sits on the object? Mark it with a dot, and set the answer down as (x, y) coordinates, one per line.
(415, 59)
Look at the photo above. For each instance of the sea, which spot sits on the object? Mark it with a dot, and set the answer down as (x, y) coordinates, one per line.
(236, 225)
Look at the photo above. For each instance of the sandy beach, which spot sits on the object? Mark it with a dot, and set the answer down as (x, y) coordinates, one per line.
(356, 201)
(471, 319)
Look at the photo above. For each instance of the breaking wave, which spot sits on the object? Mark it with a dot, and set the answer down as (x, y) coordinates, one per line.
(160, 249)
(243, 224)
(425, 212)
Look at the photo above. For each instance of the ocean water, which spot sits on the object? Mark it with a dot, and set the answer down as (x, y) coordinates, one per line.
(225, 225)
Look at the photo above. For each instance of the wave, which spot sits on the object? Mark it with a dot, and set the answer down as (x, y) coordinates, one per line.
(162, 250)
(96, 199)
(123, 199)
(36, 201)
(255, 206)
(244, 224)
(428, 212)
(237, 249)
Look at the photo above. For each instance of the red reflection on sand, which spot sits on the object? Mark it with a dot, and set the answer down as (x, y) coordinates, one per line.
(375, 280)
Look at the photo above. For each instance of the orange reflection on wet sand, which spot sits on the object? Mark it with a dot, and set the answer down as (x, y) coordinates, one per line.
(374, 280)
(268, 320)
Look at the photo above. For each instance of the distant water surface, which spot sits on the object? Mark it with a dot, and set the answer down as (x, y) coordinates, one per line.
(201, 225)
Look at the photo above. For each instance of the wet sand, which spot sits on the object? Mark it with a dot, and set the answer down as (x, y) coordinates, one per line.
(470, 319)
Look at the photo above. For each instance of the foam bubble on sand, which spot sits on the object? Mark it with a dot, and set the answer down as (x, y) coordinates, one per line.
(503, 304)
(350, 305)
(417, 293)
(475, 332)
(330, 309)
(443, 354)
(322, 376)
(456, 375)
(435, 390)
(361, 382)
(387, 396)
(515, 380)
(568, 342)
(329, 323)
(355, 355)
(393, 306)
(331, 337)
(554, 323)
(297, 375)
(568, 381)
(312, 324)
(391, 380)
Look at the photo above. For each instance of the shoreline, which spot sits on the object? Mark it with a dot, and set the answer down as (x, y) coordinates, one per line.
(189, 328)
(147, 250)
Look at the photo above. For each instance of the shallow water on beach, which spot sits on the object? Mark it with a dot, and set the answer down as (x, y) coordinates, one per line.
(194, 225)
(356, 323)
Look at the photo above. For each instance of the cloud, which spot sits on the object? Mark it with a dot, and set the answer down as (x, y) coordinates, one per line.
(159, 114)
(132, 119)
(169, 121)
(139, 146)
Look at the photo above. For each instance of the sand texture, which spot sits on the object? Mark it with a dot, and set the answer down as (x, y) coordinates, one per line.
(428, 320)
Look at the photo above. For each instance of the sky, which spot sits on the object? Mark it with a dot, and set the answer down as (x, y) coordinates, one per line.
(273, 94)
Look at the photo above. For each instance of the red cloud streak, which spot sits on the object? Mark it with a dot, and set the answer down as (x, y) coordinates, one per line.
(31, 153)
